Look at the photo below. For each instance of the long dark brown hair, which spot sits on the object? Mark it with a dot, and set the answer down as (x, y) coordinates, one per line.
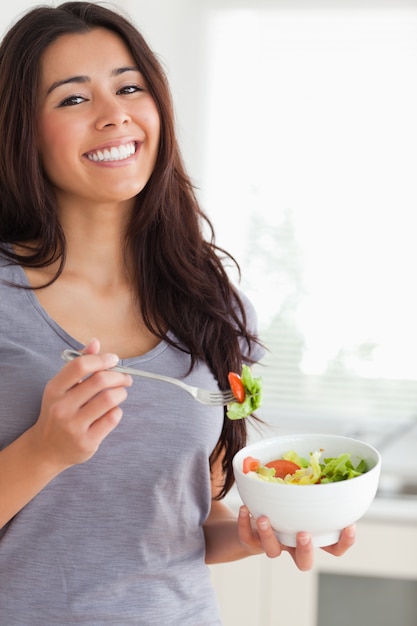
(178, 271)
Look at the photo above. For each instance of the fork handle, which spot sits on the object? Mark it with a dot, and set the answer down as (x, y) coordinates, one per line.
(70, 355)
(143, 374)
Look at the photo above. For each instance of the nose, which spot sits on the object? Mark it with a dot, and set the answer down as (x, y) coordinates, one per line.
(111, 112)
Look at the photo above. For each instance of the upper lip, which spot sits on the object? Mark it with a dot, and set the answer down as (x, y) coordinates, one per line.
(114, 143)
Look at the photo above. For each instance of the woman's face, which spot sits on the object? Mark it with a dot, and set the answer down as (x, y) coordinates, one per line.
(98, 126)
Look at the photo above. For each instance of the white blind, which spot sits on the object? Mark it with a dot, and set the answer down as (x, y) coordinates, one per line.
(311, 162)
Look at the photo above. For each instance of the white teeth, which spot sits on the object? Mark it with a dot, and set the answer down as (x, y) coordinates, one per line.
(113, 154)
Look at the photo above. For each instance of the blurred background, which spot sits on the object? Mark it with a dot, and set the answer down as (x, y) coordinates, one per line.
(297, 121)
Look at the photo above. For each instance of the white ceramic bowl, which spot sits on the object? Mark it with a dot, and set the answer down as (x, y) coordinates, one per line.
(322, 510)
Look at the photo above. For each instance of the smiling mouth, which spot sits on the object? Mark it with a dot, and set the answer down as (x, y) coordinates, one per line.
(119, 153)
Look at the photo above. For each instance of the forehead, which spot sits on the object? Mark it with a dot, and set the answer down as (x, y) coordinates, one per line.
(84, 53)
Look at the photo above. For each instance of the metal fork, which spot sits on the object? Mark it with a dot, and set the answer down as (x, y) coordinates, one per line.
(210, 398)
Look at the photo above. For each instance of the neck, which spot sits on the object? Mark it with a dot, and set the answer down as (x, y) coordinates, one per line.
(95, 243)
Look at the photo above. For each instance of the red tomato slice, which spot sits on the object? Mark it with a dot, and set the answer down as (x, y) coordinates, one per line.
(283, 467)
(250, 464)
(236, 386)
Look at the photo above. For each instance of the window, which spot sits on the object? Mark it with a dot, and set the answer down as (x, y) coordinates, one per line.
(310, 180)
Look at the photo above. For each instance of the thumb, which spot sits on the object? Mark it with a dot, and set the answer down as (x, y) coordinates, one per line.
(92, 347)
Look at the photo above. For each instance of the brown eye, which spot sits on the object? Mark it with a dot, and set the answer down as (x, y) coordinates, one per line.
(128, 89)
(71, 101)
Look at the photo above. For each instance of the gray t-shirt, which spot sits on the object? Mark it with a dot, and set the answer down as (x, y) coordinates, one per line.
(117, 540)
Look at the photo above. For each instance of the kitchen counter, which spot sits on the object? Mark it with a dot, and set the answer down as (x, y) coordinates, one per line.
(396, 509)
(271, 592)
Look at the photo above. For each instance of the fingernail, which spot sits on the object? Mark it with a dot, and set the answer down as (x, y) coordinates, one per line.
(243, 511)
(304, 540)
(111, 359)
(263, 524)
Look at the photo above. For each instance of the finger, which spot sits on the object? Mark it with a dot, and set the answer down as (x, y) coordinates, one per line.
(346, 541)
(101, 404)
(85, 390)
(270, 543)
(67, 402)
(90, 424)
(81, 367)
(87, 401)
(92, 347)
(244, 525)
(103, 426)
(257, 536)
(303, 554)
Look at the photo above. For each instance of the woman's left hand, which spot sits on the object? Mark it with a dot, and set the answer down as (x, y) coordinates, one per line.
(258, 536)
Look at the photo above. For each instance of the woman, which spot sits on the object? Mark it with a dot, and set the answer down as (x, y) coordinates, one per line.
(108, 519)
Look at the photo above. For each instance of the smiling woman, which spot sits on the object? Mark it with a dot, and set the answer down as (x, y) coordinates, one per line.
(111, 491)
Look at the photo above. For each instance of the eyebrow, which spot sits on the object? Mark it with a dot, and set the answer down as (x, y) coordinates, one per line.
(80, 80)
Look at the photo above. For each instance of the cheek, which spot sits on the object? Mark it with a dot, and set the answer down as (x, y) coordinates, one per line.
(151, 120)
(46, 146)
(155, 126)
(54, 145)
(57, 169)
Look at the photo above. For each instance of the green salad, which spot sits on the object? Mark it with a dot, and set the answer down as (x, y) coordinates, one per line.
(295, 470)
(248, 394)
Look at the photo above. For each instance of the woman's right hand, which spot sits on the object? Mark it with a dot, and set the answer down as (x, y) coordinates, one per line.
(80, 407)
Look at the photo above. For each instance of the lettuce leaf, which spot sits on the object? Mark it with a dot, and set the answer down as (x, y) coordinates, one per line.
(341, 468)
(253, 396)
